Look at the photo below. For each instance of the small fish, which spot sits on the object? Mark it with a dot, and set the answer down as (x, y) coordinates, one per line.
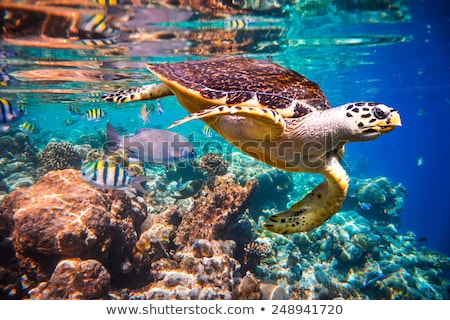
(420, 162)
(96, 30)
(207, 131)
(237, 23)
(4, 77)
(161, 147)
(108, 175)
(159, 108)
(98, 42)
(373, 277)
(95, 114)
(422, 239)
(74, 109)
(9, 114)
(96, 23)
(145, 114)
(68, 122)
(365, 205)
(28, 127)
(191, 188)
(179, 184)
(107, 2)
(21, 106)
(421, 112)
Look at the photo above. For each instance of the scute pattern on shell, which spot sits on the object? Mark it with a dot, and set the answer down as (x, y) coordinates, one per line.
(234, 78)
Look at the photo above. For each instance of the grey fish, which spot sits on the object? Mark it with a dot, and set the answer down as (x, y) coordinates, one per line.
(151, 145)
(108, 175)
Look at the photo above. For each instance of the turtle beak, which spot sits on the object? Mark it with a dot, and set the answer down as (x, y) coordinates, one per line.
(386, 119)
(392, 121)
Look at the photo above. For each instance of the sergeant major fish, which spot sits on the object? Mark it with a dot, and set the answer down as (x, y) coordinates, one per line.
(107, 175)
(161, 147)
(9, 114)
(95, 114)
(28, 127)
(74, 109)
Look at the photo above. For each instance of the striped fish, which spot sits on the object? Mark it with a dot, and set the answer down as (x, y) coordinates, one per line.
(107, 2)
(94, 31)
(239, 23)
(74, 109)
(9, 114)
(107, 175)
(207, 131)
(28, 127)
(95, 114)
(4, 77)
(96, 23)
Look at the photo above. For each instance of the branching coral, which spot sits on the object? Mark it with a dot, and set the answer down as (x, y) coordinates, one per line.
(213, 165)
(256, 250)
(58, 156)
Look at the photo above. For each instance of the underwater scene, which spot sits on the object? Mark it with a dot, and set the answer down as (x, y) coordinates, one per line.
(222, 149)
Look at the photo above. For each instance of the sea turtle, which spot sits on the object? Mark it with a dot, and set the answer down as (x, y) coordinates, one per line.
(276, 116)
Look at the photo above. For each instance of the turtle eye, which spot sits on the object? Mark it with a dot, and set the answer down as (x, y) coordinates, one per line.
(378, 113)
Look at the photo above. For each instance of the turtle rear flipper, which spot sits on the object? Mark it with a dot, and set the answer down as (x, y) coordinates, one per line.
(247, 122)
(316, 207)
(147, 92)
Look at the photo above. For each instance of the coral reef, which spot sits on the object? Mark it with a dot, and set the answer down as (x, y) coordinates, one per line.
(18, 163)
(248, 288)
(379, 199)
(75, 279)
(63, 239)
(61, 216)
(186, 276)
(189, 255)
(214, 210)
(96, 141)
(351, 258)
(279, 184)
(212, 165)
(58, 156)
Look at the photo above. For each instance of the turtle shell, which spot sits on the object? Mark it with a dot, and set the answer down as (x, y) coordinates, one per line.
(242, 81)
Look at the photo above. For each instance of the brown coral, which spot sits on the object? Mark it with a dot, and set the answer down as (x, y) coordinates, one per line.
(255, 249)
(75, 279)
(214, 210)
(61, 216)
(248, 288)
(213, 165)
(58, 156)
(188, 277)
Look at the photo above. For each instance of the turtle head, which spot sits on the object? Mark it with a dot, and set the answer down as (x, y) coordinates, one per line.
(369, 120)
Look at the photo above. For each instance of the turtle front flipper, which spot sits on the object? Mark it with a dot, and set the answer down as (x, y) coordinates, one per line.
(147, 92)
(316, 207)
(260, 123)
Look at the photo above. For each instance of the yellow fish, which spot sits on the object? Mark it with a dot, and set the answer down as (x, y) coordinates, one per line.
(95, 114)
(145, 114)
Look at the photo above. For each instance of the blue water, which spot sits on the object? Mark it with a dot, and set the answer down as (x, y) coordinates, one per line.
(403, 64)
(414, 76)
